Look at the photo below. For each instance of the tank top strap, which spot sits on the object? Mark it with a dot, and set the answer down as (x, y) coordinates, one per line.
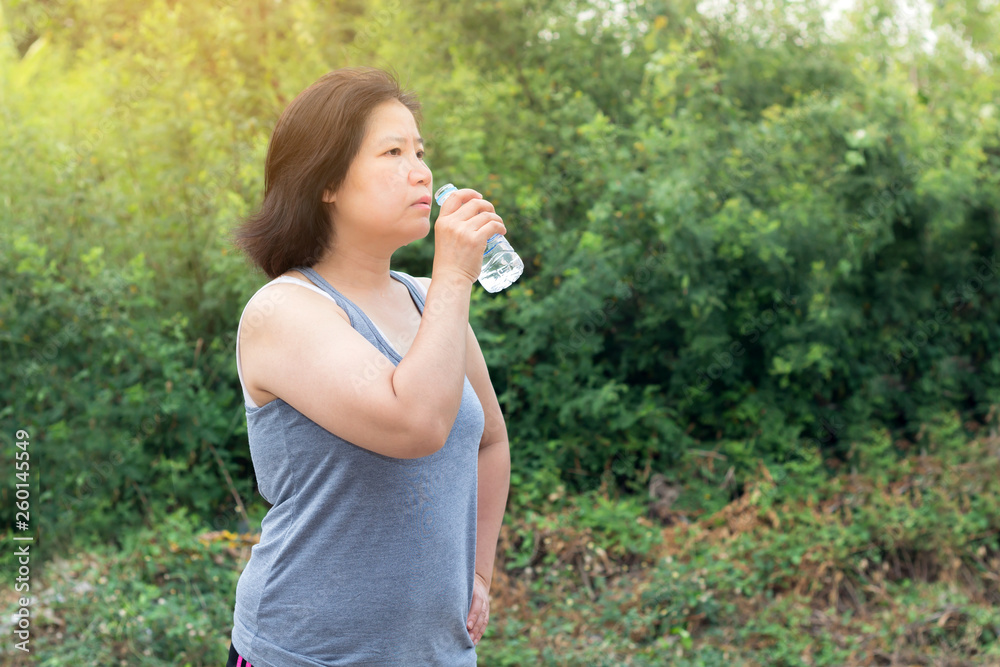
(359, 320)
(416, 289)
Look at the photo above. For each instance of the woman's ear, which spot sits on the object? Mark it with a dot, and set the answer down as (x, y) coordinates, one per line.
(328, 196)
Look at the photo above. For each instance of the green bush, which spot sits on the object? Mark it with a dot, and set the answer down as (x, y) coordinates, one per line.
(164, 598)
(739, 238)
(129, 416)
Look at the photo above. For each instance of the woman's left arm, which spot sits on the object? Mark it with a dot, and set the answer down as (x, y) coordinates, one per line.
(494, 482)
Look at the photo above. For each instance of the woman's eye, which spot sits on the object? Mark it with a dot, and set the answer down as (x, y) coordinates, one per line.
(396, 152)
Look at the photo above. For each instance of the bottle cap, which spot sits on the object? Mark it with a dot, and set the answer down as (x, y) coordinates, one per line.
(443, 193)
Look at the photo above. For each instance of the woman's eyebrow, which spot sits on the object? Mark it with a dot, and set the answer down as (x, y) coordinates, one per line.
(400, 140)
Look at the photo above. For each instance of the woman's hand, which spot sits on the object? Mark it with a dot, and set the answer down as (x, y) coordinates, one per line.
(479, 612)
(464, 225)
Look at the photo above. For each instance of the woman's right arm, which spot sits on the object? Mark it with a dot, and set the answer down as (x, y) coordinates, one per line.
(299, 346)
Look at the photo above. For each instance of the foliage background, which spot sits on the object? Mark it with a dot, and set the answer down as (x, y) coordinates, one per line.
(761, 269)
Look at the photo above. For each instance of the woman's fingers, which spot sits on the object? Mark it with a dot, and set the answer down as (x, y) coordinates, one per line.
(477, 632)
(484, 219)
(461, 234)
(479, 613)
(462, 198)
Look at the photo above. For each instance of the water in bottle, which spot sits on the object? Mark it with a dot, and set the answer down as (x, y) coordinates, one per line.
(501, 265)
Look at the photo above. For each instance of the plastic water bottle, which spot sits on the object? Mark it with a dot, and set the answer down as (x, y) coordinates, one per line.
(501, 265)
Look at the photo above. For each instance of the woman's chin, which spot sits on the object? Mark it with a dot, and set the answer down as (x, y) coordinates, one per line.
(421, 232)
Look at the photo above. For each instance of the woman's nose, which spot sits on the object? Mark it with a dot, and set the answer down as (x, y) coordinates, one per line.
(420, 172)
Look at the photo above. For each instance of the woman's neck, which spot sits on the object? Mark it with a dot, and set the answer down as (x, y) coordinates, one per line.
(355, 271)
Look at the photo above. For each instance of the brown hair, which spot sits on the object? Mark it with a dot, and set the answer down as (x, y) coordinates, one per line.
(311, 150)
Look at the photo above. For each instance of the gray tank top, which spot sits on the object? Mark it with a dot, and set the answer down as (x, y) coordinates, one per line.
(363, 559)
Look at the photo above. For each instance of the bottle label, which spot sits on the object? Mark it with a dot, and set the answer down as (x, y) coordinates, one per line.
(492, 244)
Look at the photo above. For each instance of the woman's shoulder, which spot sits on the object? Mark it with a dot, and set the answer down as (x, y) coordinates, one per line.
(291, 296)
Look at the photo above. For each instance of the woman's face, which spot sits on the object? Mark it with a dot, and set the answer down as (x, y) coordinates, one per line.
(385, 201)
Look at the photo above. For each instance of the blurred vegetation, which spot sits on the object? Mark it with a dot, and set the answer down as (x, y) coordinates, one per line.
(760, 272)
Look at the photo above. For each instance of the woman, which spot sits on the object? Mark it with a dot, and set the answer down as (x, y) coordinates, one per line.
(374, 429)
